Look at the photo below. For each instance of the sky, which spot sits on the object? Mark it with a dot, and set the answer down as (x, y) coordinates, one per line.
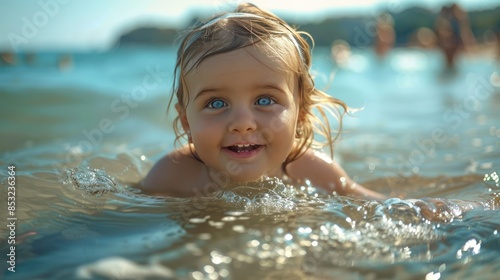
(96, 24)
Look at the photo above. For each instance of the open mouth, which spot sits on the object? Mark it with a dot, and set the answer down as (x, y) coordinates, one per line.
(243, 148)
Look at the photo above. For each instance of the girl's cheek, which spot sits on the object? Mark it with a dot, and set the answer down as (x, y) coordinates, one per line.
(208, 125)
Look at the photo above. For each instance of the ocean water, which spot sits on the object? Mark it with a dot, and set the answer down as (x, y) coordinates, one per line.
(80, 129)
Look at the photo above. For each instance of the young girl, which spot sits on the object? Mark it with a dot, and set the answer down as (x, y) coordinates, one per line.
(247, 105)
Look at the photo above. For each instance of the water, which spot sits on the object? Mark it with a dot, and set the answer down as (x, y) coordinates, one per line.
(81, 134)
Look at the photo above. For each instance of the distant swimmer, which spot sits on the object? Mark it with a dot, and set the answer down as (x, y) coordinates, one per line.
(341, 53)
(453, 33)
(386, 36)
(65, 62)
(7, 58)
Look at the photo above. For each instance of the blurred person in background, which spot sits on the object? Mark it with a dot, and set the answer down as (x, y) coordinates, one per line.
(453, 33)
(386, 36)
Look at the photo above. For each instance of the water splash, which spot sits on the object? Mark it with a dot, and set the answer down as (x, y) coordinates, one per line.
(269, 196)
(336, 231)
(92, 181)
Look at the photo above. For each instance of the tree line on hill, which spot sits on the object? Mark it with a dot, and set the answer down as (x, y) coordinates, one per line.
(356, 31)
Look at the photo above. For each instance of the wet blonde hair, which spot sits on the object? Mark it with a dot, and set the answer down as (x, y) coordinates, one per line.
(247, 26)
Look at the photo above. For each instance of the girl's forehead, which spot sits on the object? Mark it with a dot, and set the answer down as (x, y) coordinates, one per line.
(245, 65)
(247, 56)
(267, 54)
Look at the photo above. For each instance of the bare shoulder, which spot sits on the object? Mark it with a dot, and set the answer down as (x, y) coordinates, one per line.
(177, 174)
(316, 167)
(327, 174)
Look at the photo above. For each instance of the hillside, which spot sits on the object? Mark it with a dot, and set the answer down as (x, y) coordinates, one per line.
(357, 31)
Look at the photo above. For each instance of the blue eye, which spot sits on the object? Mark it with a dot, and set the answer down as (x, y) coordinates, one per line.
(216, 104)
(265, 101)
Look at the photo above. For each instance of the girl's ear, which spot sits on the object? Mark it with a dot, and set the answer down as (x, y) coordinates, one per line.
(182, 117)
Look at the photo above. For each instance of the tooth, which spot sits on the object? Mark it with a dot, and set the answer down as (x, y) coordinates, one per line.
(243, 145)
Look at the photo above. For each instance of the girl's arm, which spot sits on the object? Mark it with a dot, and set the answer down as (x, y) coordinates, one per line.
(327, 174)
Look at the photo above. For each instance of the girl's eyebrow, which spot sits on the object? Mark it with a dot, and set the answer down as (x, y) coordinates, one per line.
(256, 87)
(270, 86)
(208, 90)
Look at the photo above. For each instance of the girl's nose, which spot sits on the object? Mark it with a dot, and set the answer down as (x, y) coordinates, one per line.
(242, 120)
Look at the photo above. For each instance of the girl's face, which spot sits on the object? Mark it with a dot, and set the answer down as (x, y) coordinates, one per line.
(242, 113)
